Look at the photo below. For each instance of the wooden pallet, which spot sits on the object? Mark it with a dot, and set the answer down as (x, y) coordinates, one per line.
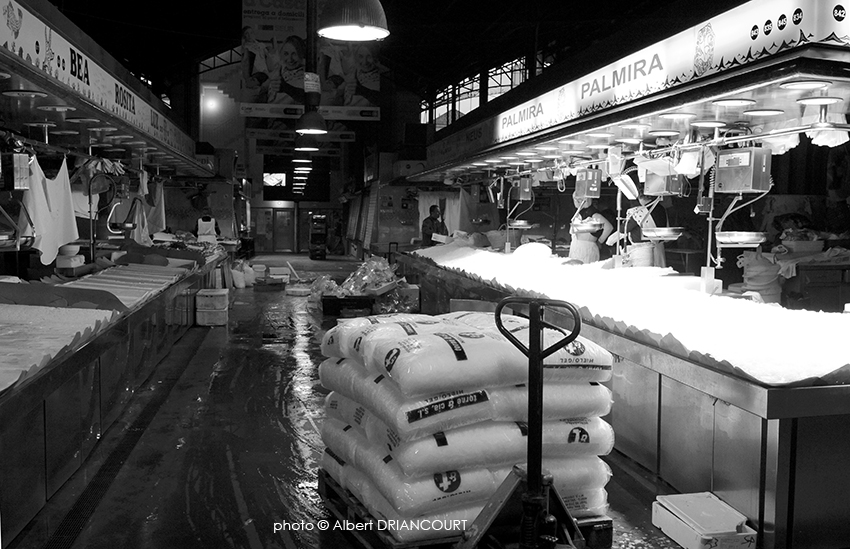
(344, 506)
(597, 531)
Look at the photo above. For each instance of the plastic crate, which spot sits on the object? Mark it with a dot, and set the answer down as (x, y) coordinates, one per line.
(212, 300)
(334, 306)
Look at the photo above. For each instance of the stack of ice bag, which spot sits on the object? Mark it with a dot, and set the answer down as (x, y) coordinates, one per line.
(428, 414)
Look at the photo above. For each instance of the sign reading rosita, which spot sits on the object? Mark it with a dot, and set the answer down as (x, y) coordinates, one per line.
(125, 99)
(622, 76)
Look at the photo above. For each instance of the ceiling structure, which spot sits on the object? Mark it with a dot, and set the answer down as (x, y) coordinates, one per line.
(432, 43)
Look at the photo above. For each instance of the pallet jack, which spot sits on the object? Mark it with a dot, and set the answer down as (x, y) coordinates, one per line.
(545, 521)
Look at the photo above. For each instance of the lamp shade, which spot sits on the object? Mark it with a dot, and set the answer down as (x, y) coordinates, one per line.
(306, 143)
(311, 122)
(353, 20)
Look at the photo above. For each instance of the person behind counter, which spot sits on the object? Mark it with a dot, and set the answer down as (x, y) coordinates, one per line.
(587, 247)
(641, 217)
(432, 225)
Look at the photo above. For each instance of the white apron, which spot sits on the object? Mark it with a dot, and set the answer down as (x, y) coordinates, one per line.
(206, 230)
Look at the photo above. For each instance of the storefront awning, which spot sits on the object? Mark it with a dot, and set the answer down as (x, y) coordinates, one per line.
(55, 92)
(766, 66)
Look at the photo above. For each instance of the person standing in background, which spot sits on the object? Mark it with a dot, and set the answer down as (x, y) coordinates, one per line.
(586, 247)
(640, 217)
(207, 228)
(432, 225)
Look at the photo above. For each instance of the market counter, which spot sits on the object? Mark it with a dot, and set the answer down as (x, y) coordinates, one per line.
(51, 420)
(779, 455)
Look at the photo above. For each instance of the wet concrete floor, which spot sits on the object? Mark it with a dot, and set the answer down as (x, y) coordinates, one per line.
(234, 447)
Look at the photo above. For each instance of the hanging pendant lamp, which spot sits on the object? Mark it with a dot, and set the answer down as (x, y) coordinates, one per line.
(306, 143)
(311, 123)
(353, 20)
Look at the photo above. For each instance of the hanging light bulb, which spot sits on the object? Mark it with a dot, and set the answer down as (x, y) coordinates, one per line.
(353, 20)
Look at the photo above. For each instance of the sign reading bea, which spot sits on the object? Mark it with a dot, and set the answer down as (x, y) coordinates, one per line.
(79, 67)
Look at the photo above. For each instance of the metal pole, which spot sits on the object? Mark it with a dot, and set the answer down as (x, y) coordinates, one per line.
(535, 399)
(92, 243)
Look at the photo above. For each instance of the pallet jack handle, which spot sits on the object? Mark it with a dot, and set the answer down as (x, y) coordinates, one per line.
(535, 500)
(540, 304)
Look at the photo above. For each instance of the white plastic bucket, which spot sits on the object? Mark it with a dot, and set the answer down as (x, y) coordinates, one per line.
(640, 255)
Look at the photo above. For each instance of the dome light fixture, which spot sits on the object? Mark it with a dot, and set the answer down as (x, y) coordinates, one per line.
(733, 102)
(708, 124)
(677, 115)
(306, 143)
(636, 126)
(764, 112)
(663, 133)
(819, 100)
(353, 20)
(805, 84)
(311, 123)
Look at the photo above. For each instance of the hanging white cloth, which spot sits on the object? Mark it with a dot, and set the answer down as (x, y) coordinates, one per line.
(81, 202)
(156, 213)
(51, 210)
(143, 183)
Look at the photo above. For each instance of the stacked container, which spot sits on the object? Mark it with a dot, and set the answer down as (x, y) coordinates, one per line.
(211, 307)
(427, 416)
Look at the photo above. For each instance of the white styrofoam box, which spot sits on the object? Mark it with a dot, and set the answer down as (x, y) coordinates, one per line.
(212, 299)
(700, 520)
(809, 246)
(70, 261)
(211, 318)
(278, 271)
(284, 278)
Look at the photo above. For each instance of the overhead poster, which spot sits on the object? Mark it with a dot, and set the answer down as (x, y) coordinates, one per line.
(274, 52)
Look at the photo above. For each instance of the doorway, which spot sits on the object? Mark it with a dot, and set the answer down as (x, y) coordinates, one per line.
(284, 230)
(273, 229)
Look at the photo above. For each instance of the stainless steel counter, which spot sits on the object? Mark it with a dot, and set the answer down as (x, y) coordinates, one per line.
(51, 423)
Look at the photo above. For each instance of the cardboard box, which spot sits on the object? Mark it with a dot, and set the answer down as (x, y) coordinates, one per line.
(700, 520)
(69, 261)
(212, 300)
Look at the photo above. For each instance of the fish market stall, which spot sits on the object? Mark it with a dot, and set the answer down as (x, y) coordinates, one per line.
(711, 393)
